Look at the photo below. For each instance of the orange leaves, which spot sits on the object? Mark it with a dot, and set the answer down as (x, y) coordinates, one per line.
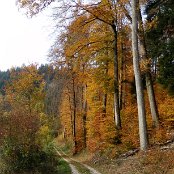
(26, 88)
(25, 104)
(103, 11)
(88, 51)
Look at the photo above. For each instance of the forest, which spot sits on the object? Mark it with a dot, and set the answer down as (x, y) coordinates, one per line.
(106, 98)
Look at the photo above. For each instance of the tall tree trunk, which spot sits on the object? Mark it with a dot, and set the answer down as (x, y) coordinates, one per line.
(105, 96)
(138, 82)
(154, 74)
(122, 64)
(84, 110)
(121, 84)
(71, 112)
(104, 104)
(74, 116)
(116, 86)
(124, 85)
(149, 82)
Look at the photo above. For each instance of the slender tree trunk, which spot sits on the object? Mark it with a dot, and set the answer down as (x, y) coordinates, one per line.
(122, 66)
(116, 86)
(104, 104)
(74, 116)
(84, 115)
(64, 133)
(72, 127)
(149, 82)
(138, 82)
(124, 86)
(123, 76)
(121, 91)
(154, 74)
(105, 96)
(152, 100)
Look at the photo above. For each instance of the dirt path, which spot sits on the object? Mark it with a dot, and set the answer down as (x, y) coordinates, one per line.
(73, 167)
(92, 170)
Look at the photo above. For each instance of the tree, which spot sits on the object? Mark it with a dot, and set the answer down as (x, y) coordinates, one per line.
(139, 88)
(111, 8)
(33, 6)
(26, 134)
(149, 82)
(160, 40)
(26, 88)
(106, 7)
(4, 78)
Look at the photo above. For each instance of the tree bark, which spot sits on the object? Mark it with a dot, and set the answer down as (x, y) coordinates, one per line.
(74, 116)
(121, 84)
(105, 95)
(84, 110)
(116, 87)
(71, 113)
(138, 82)
(149, 82)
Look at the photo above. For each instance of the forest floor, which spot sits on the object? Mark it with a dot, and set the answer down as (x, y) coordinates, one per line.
(158, 160)
(154, 161)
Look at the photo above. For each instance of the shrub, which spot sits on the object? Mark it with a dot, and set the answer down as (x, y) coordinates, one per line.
(23, 159)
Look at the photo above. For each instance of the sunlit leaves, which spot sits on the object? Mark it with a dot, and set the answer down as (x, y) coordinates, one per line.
(26, 88)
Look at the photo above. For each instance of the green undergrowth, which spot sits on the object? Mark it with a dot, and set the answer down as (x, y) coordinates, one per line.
(36, 160)
(63, 167)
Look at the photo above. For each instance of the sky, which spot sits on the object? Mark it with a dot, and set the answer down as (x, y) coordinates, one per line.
(23, 40)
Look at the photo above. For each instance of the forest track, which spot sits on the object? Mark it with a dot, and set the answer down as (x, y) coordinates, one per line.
(73, 168)
(85, 169)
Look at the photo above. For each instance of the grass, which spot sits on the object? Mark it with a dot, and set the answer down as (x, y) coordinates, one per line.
(63, 167)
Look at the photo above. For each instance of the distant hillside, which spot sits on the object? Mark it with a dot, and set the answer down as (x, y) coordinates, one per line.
(4, 77)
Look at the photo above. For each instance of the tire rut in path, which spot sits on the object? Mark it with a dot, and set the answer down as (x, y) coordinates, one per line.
(73, 168)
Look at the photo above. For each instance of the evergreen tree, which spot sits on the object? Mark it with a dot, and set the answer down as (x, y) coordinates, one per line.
(160, 34)
(4, 77)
